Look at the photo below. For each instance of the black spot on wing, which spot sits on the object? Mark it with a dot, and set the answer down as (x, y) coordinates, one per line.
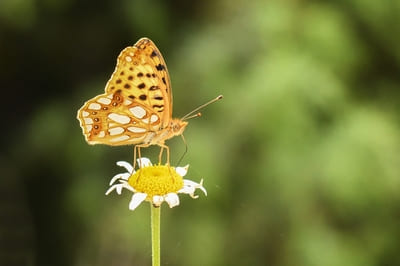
(141, 86)
(160, 67)
(154, 88)
(143, 97)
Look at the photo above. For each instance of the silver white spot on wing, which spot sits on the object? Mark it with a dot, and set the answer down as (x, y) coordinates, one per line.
(115, 131)
(138, 111)
(136, 129)
(122, 119)
(101, 134)
(85, 114)
(104, 100)
(94, 106)
(89, 127)
(153, 118)
(120, 138)
(128, 59)
(88, 120)
(127, 102)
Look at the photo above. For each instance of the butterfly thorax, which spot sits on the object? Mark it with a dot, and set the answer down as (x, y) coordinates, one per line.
(175, 128)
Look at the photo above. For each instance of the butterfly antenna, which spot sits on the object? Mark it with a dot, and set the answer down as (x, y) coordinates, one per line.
(192, 115)
(184, 153)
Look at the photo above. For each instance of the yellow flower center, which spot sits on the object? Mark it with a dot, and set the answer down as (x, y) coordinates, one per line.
(156, 180)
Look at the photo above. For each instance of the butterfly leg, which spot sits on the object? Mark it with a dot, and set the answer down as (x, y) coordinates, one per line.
(136, 150)
(160, 155)
(134, 156)
(163, 146)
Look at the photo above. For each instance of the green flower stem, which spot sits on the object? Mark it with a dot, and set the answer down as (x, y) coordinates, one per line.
(155, 235)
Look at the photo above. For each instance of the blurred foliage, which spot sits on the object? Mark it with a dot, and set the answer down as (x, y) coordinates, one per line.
(301, 159)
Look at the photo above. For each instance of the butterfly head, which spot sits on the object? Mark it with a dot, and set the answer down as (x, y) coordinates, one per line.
(178, 126)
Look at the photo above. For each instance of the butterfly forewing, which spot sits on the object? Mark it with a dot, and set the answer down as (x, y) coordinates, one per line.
(137, 101)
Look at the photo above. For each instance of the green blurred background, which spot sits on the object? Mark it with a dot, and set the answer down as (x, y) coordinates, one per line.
(301, 159)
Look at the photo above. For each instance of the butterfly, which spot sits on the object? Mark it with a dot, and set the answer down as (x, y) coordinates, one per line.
(136, 108)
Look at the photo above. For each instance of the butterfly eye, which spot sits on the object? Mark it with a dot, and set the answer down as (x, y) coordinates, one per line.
(175, 127)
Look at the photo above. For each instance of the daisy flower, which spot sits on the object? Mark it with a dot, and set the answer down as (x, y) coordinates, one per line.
(154, 183)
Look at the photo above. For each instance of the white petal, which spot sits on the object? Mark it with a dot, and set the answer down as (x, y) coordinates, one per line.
(187, 182)
(188, 190)
(127, 186)
(182, 170)
(110, 190)
(119, 188)
(202, 188)
(157, 200)
(124, 176)
(137, 198)
(127, 166)
(172, 199)
(144, 162)
(190, 186)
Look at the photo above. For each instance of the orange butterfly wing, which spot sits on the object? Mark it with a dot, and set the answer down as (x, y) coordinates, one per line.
(137, 102)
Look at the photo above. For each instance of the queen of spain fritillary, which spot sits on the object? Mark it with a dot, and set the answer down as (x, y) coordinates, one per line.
(136, 107)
